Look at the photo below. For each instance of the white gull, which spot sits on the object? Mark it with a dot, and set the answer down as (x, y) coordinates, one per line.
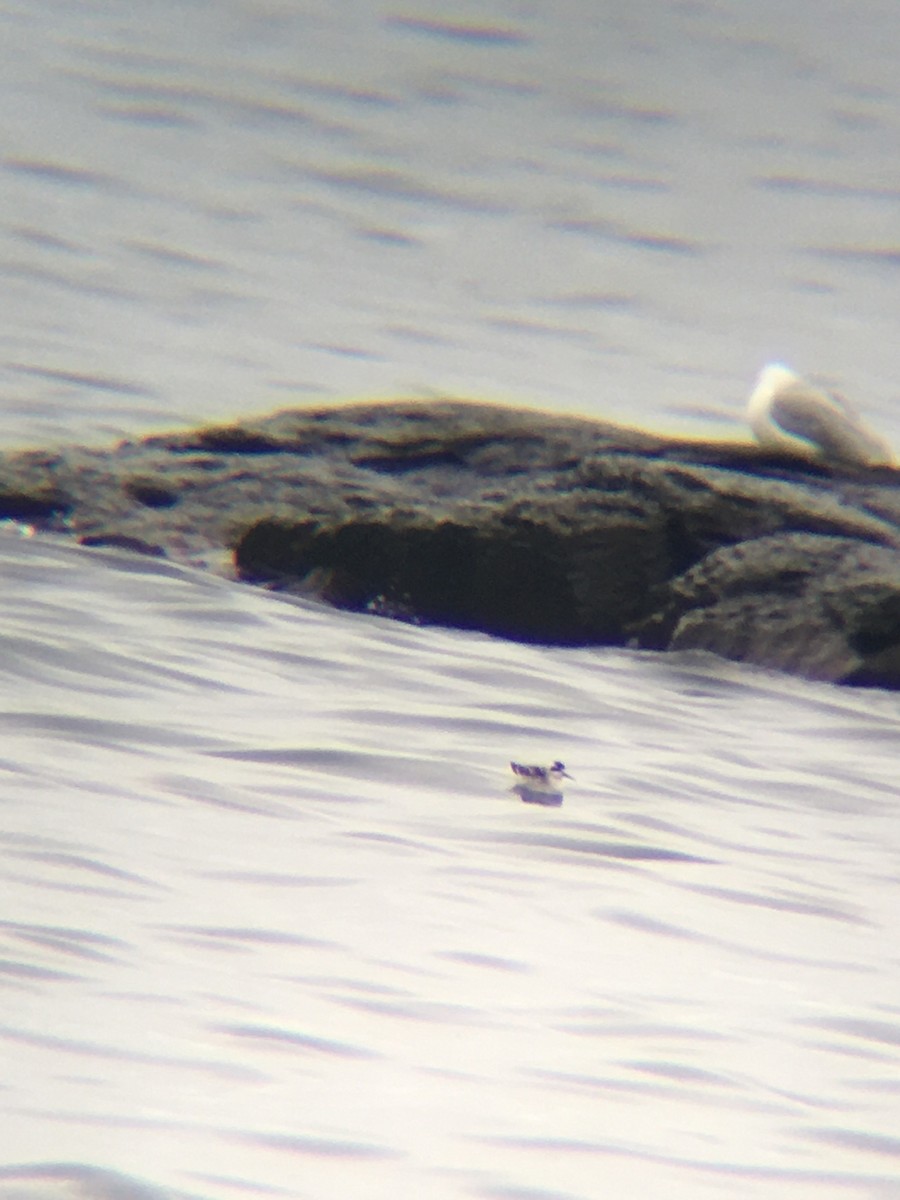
(788, 414)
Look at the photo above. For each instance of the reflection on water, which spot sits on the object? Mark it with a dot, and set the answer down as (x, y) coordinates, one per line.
(530, 795)
(274, 921)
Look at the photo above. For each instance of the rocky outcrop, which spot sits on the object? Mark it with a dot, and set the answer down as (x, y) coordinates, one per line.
(518, 523)
(820, 606)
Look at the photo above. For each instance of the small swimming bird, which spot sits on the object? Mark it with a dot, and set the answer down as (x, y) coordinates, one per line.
(540, 785)
(542, 778)
(788, 414)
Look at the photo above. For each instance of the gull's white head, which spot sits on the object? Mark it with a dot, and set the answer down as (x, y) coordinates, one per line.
(789, 415)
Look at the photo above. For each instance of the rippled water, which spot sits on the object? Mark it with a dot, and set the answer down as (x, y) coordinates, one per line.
(272, 921)
(272, 918)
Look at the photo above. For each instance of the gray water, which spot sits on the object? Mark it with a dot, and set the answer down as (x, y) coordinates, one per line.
(217, 208)
(272, 921)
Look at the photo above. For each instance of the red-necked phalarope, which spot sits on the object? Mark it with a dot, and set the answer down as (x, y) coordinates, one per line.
(788, 414)
(541, 776)
(540, 785)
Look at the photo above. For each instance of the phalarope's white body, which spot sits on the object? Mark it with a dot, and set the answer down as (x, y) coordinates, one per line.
(788, 414)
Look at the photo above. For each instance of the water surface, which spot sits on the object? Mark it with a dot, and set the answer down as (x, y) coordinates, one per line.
(272, 922)
(219, 208)
(273, 919)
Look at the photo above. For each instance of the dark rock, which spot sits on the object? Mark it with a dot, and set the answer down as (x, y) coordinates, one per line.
(518, 523)
(514, 576)
(824, 607)
(151, 493)
(38, 505)
(120, 541)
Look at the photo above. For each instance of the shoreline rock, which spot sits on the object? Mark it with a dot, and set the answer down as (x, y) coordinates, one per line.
(515, 522)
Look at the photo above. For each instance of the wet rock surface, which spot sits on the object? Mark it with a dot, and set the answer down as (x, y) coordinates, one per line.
(514, 522)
